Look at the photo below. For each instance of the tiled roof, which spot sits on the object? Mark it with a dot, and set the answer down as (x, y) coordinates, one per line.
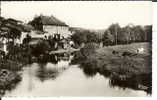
(51, 20)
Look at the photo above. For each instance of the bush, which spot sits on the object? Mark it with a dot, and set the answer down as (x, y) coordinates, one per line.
(40, 48)
(89, 49)
(10, 65)
(85, 36)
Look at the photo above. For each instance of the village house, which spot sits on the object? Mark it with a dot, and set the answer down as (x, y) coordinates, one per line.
(51, 26)
(40, 27)
(46, 27)
(9, 28)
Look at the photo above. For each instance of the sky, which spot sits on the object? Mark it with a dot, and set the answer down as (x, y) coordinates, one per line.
(85, 14)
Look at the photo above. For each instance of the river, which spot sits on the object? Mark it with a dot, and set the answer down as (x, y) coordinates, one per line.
(63, 79)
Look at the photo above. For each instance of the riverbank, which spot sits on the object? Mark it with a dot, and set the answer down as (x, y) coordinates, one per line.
(8, 80)
(126, 58)
(121, 63)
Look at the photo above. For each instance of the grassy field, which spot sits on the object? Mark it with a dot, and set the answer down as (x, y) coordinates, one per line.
(124, 66)
(130, 48)
(134, 63)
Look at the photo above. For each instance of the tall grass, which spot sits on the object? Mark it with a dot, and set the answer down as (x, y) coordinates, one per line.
(122, 67)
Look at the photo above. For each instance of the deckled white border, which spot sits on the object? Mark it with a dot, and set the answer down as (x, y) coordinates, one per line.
(154, 91)
(154, 50)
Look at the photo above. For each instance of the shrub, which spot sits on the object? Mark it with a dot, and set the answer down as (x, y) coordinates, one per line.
(89, 49)
(40, 48)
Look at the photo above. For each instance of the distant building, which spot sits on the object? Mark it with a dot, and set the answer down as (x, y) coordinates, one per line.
(9, 27)
(51, 26)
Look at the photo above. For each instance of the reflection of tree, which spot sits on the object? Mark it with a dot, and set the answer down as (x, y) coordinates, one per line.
(120, 76)
(48, 58)
(89, 72)
(45, 74)
(53, 58)
(139, 82)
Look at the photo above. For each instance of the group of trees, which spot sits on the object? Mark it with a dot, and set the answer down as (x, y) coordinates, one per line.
(115, 34)
(128, 34)
(84, 36)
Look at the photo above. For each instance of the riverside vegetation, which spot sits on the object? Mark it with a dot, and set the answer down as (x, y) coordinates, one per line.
(119, 58)
(123, 66)
(120, 63)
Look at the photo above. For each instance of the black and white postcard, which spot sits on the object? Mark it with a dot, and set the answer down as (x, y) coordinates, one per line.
(76, 48)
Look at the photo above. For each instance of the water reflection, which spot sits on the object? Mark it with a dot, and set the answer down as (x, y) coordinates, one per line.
(55, 58)
(50, 70)
(59, 77)
(136, 82)
(44, 73)
(141, 82)
(54, 64)
(71, 82)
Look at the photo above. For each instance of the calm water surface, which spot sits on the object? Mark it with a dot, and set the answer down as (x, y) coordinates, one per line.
(62, 79)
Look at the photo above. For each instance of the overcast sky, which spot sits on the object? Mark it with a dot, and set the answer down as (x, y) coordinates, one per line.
(93, 15)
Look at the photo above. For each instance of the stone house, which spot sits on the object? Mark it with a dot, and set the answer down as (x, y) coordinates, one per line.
(50, 25)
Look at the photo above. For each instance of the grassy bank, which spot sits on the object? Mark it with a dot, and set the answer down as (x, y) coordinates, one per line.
(125, 60)
(121, 63)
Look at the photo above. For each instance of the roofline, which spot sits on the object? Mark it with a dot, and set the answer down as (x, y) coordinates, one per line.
(56, 24)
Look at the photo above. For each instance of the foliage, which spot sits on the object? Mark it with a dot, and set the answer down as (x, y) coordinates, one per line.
(40, 48)
(92, 37)
(114, 34)
(10, 65)
(115, 30)
(36, 23)
(148, 33)
(127, 34)
(88, 49)
(129, 68)
(84, 37)
(108, 38)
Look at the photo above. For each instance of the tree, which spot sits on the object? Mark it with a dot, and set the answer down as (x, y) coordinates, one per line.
(125, 35)
(91, 37)
(108, 38)
(99, 36)
(36, 23)
(40, 48)
(115, 30)
(138, 34)
(84, 36)
(79, 37)
(148, 33)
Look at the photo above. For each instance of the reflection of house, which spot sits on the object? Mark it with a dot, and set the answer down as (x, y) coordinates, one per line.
(51, 26)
